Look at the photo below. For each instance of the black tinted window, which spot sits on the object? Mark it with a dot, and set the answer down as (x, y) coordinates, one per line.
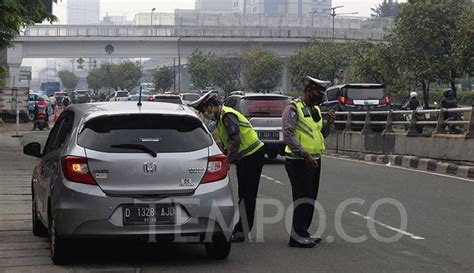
(176, 100)
(365, 93)
(191, 97)
(263, 106)
(161, 133)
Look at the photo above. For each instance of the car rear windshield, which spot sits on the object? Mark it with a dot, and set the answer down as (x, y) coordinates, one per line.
(122, 94)
(191, 97)
(365, 93)
(263, 106)
(176, 100)
(161, 133)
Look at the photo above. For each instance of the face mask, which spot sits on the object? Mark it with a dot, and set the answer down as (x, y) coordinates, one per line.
(316, 100)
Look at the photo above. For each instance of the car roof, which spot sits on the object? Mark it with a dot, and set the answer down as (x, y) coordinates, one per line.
(357, 85)
(92, 110)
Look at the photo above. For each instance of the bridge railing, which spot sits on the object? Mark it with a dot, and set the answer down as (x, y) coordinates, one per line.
(199, 31)
(432, 121)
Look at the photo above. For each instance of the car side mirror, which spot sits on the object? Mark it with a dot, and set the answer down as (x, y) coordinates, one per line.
(33, 149)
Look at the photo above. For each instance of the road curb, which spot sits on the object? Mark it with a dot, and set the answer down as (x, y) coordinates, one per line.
(424, 164)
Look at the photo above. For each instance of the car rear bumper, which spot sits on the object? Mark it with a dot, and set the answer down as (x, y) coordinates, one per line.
(274, 147)
(85, 211)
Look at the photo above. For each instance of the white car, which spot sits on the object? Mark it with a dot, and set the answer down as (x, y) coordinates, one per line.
(120, 96)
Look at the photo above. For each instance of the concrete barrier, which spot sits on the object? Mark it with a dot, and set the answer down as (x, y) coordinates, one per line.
(442, 147)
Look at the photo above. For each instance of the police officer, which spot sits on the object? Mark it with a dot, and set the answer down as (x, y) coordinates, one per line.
(244, 148)
(304, 133)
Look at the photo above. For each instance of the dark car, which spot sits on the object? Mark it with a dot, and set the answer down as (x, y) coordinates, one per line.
(264, 111)
(82, 96)
(358, 97)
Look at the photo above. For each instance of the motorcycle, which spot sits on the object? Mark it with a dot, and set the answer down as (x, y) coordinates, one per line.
(452, 128)
(40, 122)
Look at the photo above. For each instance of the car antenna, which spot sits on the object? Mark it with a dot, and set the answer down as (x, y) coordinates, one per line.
(139, 104)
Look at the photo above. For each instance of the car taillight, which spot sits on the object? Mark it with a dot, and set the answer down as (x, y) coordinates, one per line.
(216, 169)
(75, 169)
(344, 100)
(385, 100)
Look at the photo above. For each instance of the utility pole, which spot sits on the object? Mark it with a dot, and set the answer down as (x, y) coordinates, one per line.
(333, 15)
(151, 17)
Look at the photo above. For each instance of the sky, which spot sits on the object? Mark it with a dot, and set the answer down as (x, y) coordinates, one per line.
(125, 7)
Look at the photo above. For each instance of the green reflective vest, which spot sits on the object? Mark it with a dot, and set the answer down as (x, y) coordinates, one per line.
(249, 141)
(308, 132)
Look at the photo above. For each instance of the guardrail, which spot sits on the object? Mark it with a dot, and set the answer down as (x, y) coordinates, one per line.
(199, 31)
(439, 120)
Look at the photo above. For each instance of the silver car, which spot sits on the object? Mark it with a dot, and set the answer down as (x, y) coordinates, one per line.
(113, 170)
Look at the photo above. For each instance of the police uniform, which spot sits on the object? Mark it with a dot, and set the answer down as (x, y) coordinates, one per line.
(244, 148)
(304, 133)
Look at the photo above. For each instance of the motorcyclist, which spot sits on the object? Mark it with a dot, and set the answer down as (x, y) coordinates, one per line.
(450, 101)
(41, 111)
(413, 104)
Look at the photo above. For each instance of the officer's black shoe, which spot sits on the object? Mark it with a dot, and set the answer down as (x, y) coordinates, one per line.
(302, 243)
(315, 239)
(238, 237)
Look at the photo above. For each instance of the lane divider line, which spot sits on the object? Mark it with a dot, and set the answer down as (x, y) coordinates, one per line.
(414, 237)
(273, 179)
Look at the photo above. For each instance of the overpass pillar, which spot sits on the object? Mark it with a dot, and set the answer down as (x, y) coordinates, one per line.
(14, 60)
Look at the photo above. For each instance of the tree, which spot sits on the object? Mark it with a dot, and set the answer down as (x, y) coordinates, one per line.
(164, 78)
(68, 79)
(128, 74)
(388, 8)
(324, 60)
(262, 69)
(225, 73)
(18, 14)
(200, 65)
(95, 79)
(424, 41)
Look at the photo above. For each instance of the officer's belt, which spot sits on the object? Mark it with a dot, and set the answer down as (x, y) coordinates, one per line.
(294, 156)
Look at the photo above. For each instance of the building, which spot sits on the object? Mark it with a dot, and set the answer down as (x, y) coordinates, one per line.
(213, 5)
(116, 20)
(281, 7)
(83, 12)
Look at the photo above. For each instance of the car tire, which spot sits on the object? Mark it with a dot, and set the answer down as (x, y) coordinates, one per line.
(39, 229)
(219, 248)
(60, 248)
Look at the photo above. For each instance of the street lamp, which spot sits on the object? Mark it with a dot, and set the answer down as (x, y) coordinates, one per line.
(151, 17)
(333, 15)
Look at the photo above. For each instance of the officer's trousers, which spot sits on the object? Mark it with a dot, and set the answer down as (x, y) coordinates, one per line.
(304, 186)
(249, 170)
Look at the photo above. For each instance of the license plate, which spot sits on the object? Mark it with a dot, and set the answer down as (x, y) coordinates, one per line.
(148, 214)
(269, 135)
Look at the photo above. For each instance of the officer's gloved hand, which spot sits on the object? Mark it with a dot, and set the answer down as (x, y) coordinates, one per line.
(311, 162)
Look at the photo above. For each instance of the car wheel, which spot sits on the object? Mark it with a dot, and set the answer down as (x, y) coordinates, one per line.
(219, 248)
(60, 248)
(31, 116)
(38, 228)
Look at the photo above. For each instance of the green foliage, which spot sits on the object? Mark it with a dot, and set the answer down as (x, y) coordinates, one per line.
(225, 73)
(388, 8)
(17, 14)
(323, 60)
(262, 69)
(163, 78)
(200, 66)
(117, 76)
(68, 79)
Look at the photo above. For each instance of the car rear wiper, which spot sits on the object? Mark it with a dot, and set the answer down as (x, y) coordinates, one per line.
(136, 147)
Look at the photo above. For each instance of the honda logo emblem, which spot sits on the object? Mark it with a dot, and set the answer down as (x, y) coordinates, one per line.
(149, 168)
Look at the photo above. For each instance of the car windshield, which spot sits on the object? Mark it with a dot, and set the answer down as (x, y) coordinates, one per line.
(161, 133)
(122, 94)
(263, 105)
(176, 100)
(191, 97)
(365, 93)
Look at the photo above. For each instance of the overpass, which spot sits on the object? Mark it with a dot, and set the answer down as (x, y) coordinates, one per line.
(103, 41)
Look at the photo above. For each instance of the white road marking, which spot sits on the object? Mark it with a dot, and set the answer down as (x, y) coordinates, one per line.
(400, 167)
(273, 179)
(388, 227)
